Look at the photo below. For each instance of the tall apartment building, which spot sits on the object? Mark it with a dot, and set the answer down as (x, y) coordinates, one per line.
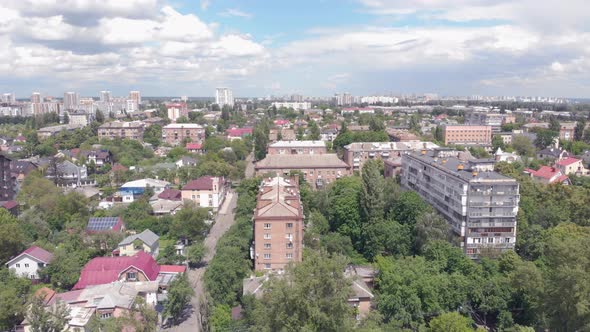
(71, 100)
(297, 147)
(479, 204)
(36, 98)
(105, 96)
(135, 96)
(8, 98)
(344, 99)
(176, 133)
(118, 129)
(224, 96)
(177, 110)
(467, 135)
(494, 120)
(278, 225)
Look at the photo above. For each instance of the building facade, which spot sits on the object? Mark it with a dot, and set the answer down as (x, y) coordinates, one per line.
(71, 100)
(206, 192)
(119, 129)
(357, 154)
(297, 147)
(224, 96)
(479, 204)
(176, 111)
(278, 225)
(176, 133)
(294, 105)
(494, 120)
(467, 135)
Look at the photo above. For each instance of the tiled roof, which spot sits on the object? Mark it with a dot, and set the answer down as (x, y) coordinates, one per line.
(202, 183)
(39, 253)
(148, 237)
(194, 146)
(239, 132)
(545, 172)
(171, 194)
(568, 161)
(328, 160)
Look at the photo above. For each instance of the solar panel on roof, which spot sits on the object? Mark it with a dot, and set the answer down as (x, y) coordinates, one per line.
(101, 224)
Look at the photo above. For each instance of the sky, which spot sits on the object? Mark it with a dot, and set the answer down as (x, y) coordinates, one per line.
(309, 47)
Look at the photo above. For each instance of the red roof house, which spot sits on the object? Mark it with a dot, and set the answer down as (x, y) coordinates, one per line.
(202, 183)
(233, 133)
(37, 253)
(171, 194)
(548, 175)
(28, 263)
(194, 147)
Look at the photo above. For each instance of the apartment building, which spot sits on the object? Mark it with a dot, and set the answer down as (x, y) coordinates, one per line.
(494, 120)
(479, 204)
(294, 105)
(467, 135)
(318, 170)
(119, 129)
(278, 225)
(206, 192)
(176, 133)
(357, 154)
(297, 147)
(566, 131)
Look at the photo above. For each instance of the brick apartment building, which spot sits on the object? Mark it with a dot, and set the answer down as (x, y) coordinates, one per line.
(467, 135)
(119, 129)
(356, 154)
(176, 133)
(278, 225)
(297, 147)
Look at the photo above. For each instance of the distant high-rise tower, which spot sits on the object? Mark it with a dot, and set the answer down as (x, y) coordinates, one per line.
(105, 96)
(135, 95)
(8, 98)
(71, 101)
(224, 96)
(36, 98)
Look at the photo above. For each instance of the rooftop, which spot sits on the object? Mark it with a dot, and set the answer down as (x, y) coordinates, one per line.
(568, 161)
(148, 237)
(278, 197)
(183, 126)
(391, 146)
(38, 253)
(99, 224)
(202, 183)
(278, 161)
(298, 144)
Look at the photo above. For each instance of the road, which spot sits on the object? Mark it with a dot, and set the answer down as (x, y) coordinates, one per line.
(224, 220)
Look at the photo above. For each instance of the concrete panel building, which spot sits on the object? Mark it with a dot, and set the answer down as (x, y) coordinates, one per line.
(278, 225)
(119, 129)
(356, 154)
(479, 204)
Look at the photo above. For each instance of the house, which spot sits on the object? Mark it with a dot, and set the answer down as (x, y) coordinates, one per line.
(11, 206)
(508, 157)
(66, 173)
(186, 161)
(206, 191)
(566, 131)
(283, 123)
(548, 175)
(138, 187)
(98, 157)
(194, 147)
(552, 154)
(328, 134)
(140, 267)
(163, 207)
(146, 241)
(28, 263)
(105, 224)
(170, 194)
(238, 133)
(21, 168)
(569, 166)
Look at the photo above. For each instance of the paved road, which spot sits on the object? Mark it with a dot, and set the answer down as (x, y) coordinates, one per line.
(225, 219)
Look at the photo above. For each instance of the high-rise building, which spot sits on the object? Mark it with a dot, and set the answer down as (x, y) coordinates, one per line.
(132, 105)
(343, 99)
(224, 96)
(71, 100)
(278, 225)
(479, 204)
(136, 96)
(8, 98)
(36, 98)
(105, 96)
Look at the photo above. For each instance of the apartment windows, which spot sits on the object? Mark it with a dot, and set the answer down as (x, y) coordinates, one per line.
(267, 226)
(267, 246)
(267, 266)
(490, 240)
(267, 236)
(289, 236)
(507, 240)
(266, 256)
(289, 225)
(289, 256)
(289, 245)
(106, 315)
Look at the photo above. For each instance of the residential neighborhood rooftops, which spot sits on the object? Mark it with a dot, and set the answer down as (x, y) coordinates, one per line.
(279, 161)
(567, 161)
(170, 194)
(183, 126)
(147, 236)
(202, 183)
(101, 224)
(298, 144)
(37, 253)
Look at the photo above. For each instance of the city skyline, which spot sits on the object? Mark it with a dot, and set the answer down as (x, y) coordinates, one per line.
(450, 47)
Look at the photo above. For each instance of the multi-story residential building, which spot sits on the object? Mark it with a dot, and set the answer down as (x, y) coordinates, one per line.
(105, 96)
(177, 110)
(79, 118)
(131, 106)
(206, 191)
(294, 105)
(36, 98)
(318, 170)
(566, 131)
(176, 133)
(278, 225)
(356, 154)
(47, 132)
(8, 98)
(297, 147)
(118, 129)
(479, 204)
(224, 96)
(493, 120)
(71, 100)
(135, 96)
(467, 135)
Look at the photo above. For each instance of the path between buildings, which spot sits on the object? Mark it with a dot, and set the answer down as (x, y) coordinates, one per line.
(225, 219)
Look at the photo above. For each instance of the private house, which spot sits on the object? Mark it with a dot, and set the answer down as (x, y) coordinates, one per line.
(508, 157)
(98, 157)
(28, 263)
(569, 166)
(552, 154)
(105, 224)
(136, 188)
(194, 148)
(66, 173)
(140, 267)
(21, 168)
(238, 133)
(146, 241)
(206, 191)
(168, 202)
(548, 175)
(186, 161)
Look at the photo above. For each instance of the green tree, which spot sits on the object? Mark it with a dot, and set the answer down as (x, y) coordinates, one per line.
(260, 143)
(99, 116)
(409, 206)
(554, 124)
(53, 318)
(579, 130)
(450, 322)
(220, 319)
(196, 253)
(190, 223)
(545, 138)
(430, 226)
(13, 296)
(314, 131)
(153, 135)
(372, 194)
(179, 295)
(11, 236)
(523, 146)
(213, 144)
(300, 133)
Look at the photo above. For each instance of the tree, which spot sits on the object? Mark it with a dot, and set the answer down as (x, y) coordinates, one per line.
(430, 226)
(372, 194)
(220, 319)
(450, 322)
(300, 133)
(498, 142)
(545, 138)
(179, 295)
(99, 116)
(523, 146)
(376, 124)
(11, 236)
(579, 130)
(554, 124)
(260, 143)
(213, 144)
(196, 253)
(409, 206)
(64, 270)
(14, 291)
(415, 123)
(314, 131)
(153, 135)
(310, 296)
(190, 223)
(47, 319)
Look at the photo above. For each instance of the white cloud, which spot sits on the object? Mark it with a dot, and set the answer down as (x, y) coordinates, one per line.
(233, 12)
(205, 4)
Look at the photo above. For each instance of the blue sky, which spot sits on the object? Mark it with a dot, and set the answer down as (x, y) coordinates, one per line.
(317, 48)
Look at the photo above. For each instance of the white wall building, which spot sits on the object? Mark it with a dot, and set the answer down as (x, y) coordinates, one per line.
(224, 96)
(293, 105)
(29, 262)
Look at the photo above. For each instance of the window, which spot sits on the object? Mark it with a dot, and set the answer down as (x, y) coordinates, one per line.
(289, 256)
(266, 256)
(289, 236)
(106, 315)
(26, 264)
(32, 276)
(40, 264)
(267, 246)
(17, 265)
(267, 236)
(267, 226)
(194, 197)
(289, 225)
(289, 245)
(490, 240)
(507, 240)
(267, 266)
(131, 276)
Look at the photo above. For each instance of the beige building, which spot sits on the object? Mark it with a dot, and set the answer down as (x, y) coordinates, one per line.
(206, 192)
(356, 154)
(278, 225)
(146, 241)
(297, 147)
(467, 135)
(176, 133)
(119, 129)
(318, 170)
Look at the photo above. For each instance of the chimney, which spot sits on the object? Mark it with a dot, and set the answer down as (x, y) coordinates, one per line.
(423, 152)
(460, 167)
(474, 173)
(444, 161)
